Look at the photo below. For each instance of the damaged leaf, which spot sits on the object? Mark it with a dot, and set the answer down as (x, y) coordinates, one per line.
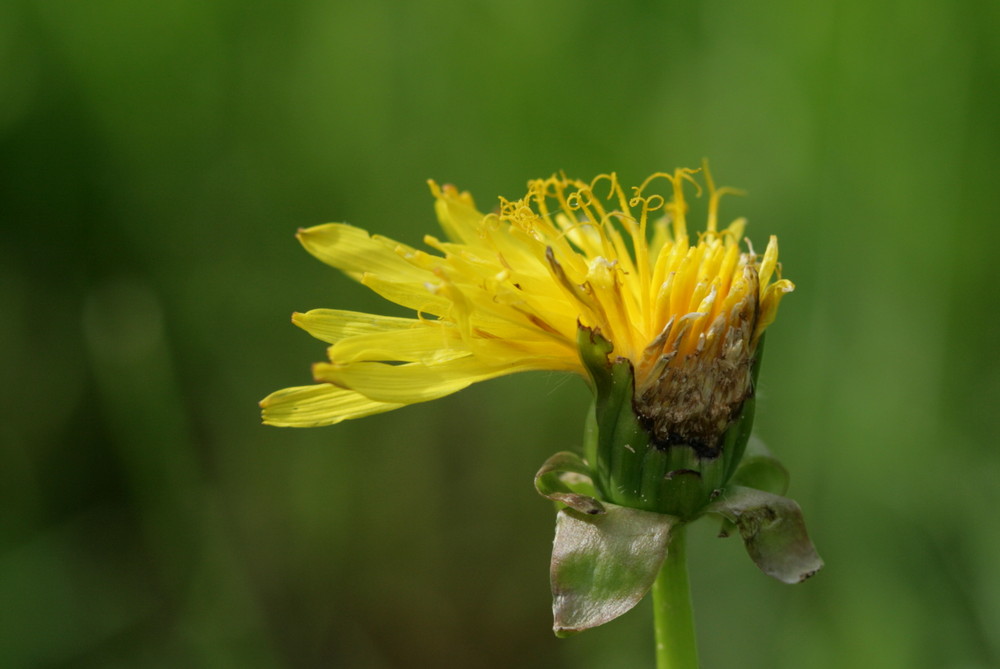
(603, 565)
(566, 478)
(773, 532)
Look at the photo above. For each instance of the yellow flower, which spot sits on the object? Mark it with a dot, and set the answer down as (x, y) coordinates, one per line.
(507, 292)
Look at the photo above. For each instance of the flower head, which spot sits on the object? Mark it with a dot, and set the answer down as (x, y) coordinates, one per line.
(509, 291)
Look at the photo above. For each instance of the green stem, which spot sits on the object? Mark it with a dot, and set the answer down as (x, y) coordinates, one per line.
(676, 646)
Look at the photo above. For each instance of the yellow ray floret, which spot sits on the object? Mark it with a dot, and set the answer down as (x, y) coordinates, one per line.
(506, 292)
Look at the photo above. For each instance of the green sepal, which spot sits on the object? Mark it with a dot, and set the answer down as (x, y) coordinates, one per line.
(773, 532)
(590, 436)
(738, 436)
(630, 468)
(567, 479)
(761, 470)
(603, 565)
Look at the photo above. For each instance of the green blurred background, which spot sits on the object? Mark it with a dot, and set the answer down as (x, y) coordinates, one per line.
(155, 162)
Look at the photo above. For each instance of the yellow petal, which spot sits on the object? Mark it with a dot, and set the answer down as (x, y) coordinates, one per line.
(414, 295)
(321, 404)
(433, 342)
(769, 262)
(332, 325)
(769, 303)
(457, 214)
(355, 252)
(413, 382)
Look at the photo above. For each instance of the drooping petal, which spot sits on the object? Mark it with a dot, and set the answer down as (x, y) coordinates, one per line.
(320, 404)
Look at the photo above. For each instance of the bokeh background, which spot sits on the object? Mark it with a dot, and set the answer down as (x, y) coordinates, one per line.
(155, 162)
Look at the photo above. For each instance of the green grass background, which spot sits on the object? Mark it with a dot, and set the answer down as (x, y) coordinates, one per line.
(155, 162)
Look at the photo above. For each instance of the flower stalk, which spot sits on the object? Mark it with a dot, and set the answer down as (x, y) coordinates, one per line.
(673, 616)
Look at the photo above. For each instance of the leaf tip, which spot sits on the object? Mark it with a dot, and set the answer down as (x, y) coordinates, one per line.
(564, 632)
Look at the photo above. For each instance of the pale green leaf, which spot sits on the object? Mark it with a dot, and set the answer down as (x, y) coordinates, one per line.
(603, 565)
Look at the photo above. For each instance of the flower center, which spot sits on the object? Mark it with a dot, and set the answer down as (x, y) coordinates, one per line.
(694, 380)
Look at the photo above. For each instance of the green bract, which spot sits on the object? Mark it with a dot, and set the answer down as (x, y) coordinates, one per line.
(623, 501)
